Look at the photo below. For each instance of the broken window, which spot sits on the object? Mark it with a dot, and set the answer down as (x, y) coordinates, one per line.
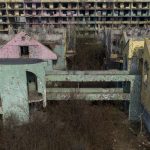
(114, 43)
(24, 51)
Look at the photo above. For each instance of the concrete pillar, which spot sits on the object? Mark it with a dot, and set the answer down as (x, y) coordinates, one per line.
(135, 103)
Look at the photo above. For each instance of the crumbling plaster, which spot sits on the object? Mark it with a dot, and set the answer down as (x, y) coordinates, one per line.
(13, 89)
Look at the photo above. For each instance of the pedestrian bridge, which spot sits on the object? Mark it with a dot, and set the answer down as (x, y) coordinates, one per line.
(95, 85)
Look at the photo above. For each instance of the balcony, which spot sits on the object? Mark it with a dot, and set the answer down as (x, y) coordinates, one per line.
(16, 13)
(104, 6)
(33, 6)
(144, 14)
(16, 6)
(121, 6)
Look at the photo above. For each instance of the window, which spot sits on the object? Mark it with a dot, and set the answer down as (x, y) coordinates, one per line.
(114, 43)
(24, 51)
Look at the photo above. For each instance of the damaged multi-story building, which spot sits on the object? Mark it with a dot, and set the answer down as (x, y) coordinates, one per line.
(92, 14)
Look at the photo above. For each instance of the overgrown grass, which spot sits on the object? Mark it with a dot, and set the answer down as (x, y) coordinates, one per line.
(69, 125)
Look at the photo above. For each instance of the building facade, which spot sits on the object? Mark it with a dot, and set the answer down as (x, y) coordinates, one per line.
(23, 83)
(92, 14)
(132, 47)
(144, 63)
(52, 49)
(136, 52)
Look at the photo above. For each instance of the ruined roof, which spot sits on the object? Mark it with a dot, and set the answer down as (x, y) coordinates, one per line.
(23, 39)
(19, 61)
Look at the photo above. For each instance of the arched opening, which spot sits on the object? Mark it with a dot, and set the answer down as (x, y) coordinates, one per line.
(32, 87)
(31, 82)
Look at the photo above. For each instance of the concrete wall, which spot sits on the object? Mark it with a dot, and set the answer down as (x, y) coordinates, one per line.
(145, 85)
(145, 93)
(60, 49)
(133, 46)
(13, 89)
(61, 60)
(130, 54)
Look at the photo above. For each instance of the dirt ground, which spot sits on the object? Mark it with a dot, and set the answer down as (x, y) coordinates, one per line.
(75, 125)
